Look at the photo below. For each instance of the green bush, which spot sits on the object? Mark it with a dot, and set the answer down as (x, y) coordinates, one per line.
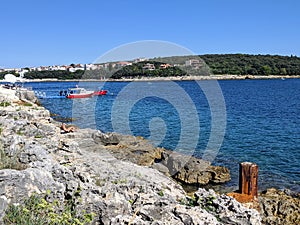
(36, 210)
(27, 104)
(4, 104)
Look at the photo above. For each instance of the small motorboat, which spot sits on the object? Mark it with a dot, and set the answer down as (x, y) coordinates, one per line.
(79, 93)
(101, 92)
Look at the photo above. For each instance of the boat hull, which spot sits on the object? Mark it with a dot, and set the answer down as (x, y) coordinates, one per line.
(80, 95)
(49, 97)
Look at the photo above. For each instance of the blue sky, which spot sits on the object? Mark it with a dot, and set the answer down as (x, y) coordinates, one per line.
(35, 33)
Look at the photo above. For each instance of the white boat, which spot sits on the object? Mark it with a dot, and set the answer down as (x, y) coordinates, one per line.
(79, 93)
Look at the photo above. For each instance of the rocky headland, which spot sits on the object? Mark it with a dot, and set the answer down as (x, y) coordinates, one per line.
(119, 179)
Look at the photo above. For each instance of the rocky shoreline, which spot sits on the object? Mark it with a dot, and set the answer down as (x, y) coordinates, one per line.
(120, 179)
(210, 77)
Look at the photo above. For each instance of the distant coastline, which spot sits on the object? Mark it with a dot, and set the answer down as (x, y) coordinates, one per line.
(212, 66)
(180, 78)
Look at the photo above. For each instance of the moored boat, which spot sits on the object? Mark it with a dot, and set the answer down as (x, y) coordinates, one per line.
(79, 93)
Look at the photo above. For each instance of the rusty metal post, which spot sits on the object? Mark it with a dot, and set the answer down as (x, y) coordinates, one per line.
(248, 181)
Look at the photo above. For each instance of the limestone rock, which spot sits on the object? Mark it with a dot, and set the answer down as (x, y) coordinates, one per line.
(26, 95)
(227, 209)
(136, 150)
(191, 170)
(7, 95)
(106, 139)
(279, 207)
(18, 185)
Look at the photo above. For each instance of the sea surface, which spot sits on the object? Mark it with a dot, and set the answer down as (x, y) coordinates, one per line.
(243, 120)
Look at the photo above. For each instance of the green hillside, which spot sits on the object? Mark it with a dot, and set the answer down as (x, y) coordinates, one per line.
(233, 64)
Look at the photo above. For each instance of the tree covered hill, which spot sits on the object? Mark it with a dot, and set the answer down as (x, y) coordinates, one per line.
(148, 69)
(221, 64)
(242, 64)
(233, 64)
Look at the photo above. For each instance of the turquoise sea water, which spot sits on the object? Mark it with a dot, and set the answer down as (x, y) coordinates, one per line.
(262, 120)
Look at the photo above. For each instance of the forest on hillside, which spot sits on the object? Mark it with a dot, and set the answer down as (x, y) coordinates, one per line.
(233, 64)
(139, 70)
(244, 64)
(220, 64)
(241, 64)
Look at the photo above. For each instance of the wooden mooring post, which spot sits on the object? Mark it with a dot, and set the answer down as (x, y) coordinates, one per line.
(248, 180)
(248, 186)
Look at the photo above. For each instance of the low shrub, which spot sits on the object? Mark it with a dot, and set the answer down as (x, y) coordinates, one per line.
(4, 104)
(36, 210)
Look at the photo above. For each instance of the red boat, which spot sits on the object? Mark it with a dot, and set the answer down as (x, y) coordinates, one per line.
(80, 93)
(101, 92)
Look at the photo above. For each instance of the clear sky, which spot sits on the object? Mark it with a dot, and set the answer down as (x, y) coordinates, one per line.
(48, 32)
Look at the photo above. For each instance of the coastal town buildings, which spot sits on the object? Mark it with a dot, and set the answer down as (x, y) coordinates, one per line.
(94, 66)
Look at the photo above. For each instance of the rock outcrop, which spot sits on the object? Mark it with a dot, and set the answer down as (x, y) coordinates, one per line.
(280, 207)
(87, 166)
(26, 95)
(191, 170)
(186, 169)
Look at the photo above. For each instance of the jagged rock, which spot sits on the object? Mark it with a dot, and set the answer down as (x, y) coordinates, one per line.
(7, 95)
(136, 150)
(279, 207)
(161, 168)
(27, 95)
(18, 185)
(184, 168)
(106, 139)
(45, 129)
(220, 174)
(227, 209)
(191, 170)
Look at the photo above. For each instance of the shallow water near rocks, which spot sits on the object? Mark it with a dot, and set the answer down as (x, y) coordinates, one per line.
(262, 120)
